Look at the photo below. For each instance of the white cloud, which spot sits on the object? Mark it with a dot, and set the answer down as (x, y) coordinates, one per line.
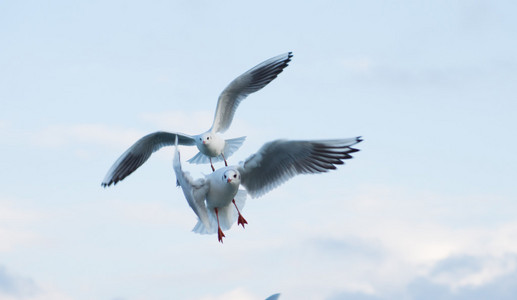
(475, 272)
(421, 244)
(379, 239)
(10, 239)
(61, 135)
(153, 213)
(179, 121)
(16, 287)
(79, 136)
(15, 226)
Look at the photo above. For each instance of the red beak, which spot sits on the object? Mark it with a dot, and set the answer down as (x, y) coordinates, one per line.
(228, 180)
(204, 142)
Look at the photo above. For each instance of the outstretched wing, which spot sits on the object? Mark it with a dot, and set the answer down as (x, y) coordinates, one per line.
(138, 154)
(278, 161)
(194, 190)
(249, 82)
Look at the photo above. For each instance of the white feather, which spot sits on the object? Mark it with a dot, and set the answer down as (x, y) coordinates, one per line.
(227, 216)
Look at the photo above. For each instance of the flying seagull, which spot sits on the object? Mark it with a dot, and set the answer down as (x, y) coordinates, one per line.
(212, 147)
(273, 297)
(217, 199)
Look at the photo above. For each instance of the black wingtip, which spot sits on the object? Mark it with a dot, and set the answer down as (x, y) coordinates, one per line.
(289, 56)
(108, 184)
(359, 139)
(352, 150)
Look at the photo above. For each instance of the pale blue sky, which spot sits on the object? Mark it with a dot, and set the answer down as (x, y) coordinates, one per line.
(426, 210)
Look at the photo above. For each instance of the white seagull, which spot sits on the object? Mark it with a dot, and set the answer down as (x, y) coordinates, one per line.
(214, 197)
(210, 144)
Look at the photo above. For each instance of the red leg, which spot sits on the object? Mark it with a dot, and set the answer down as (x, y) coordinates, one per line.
(240, 220)
(220, 233)
(211, 165)
(225, 163)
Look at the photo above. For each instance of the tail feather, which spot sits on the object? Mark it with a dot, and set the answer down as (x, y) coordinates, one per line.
(199, 158)
(230, 147)
(233, 145)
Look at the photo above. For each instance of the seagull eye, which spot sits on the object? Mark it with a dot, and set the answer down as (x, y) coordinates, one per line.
(224, 176)
(207, 137)
(234, 175)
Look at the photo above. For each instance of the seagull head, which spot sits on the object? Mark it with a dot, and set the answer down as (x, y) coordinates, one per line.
(232, 177)
(205, 138)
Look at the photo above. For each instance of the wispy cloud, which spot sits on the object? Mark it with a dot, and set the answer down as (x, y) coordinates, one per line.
(15, 226)
(153, 213)
(458, 272)
(378, 240)
(81, 136)
(178, 121)
(60, 135)
(503, 288)
(17, 287)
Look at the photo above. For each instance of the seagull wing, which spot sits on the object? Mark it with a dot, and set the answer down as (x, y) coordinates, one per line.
(138, 154)
(273, 297)
(278, 161)
(194, 190)
(249, 82)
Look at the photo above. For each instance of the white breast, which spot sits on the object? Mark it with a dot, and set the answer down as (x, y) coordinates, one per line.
(214, 148)
(221, 193)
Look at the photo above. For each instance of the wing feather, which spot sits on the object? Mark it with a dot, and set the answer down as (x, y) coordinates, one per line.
(253, 80)
(194, 190)
(280, 160)
(140, 152)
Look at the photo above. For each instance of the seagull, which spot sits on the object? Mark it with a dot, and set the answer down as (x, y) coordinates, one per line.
(273, 297)
(214, 197)
(210, 144)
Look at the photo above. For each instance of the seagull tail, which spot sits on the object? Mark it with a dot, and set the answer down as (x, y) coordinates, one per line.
(230, 147)
(227, 216)
(233, 145)
(200, 158)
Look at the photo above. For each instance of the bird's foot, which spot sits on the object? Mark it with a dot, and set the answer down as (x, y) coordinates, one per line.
(220, 235)
(213, 169)
(241, 221)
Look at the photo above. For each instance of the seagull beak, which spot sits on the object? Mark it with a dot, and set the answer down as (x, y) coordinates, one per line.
(204, 142)
(228, 180)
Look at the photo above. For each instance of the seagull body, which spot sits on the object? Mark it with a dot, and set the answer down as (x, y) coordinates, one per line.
(222, 188)
(214, 197)
(212, 146)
